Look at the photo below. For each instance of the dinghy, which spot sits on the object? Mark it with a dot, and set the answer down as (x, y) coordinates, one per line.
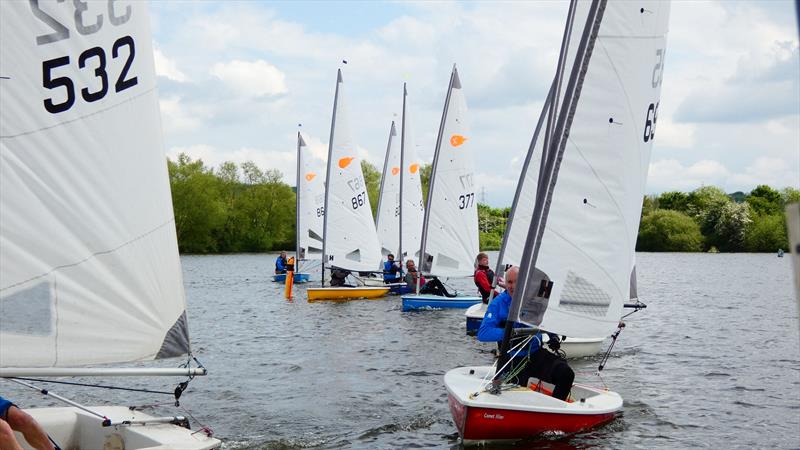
(89, 266)
(310, 210)
(449, 240)
(400, 208)
(350, 241)
(599, 135)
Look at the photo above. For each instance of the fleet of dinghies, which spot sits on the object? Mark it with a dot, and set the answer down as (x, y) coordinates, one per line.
(572, 228)
(89, 267)
(578, 253)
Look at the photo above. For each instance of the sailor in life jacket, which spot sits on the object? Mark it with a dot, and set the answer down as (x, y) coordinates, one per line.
(280, 263)
(484, 276)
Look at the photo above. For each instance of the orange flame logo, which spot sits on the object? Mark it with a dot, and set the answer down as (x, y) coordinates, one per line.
(310, 176)
(344, 162)
(414, 168)
(457, 139)
(395, 170)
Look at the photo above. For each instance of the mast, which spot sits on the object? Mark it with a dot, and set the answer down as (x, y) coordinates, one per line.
(551, 158)
(531, 148)
(392, 133)
(424, 238)
(328, 175)
(297, 209)
(402, 175)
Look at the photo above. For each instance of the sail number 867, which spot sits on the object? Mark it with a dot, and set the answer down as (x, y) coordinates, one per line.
(359, 200)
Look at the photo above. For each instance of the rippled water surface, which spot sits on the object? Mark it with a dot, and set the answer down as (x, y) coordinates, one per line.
(712, 362)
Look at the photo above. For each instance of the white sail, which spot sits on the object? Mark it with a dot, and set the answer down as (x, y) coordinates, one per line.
(583, 273)
(412, 211)
(89, 268)
(351, 241)
(450, 232)
(310, 204)
(388, 220)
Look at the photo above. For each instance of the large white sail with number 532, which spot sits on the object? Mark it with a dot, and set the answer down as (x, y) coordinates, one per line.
(89, 268)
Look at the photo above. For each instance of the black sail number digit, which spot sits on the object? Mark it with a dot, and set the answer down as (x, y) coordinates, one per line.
(123, 83)
(100, 72)
(53, 83)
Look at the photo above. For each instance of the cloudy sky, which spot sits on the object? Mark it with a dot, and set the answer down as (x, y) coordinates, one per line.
(236, 79)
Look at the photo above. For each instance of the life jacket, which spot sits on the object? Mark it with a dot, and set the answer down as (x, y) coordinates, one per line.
(489, 275)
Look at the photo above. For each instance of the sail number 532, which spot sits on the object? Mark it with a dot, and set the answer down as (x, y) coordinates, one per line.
(91, 59)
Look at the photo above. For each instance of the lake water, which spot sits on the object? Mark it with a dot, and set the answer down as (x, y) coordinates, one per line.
(714, 361)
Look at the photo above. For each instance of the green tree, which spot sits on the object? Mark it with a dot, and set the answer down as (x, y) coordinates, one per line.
(425, 180)
(196, 204)
(790, 195)
(767, 234)
(665, 230)
(765, 200)
(372, 177)
(649, 204)
(729, 229)
(674, 200)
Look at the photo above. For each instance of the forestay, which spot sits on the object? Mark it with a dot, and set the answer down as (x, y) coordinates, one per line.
(450, 232)
(351, 241)
(310, 204)
(412, 211)
(583, 273)
(388, 220)
(89, 268)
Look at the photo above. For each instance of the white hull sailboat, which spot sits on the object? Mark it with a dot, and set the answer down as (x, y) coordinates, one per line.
(350, 241)
(578, 254)
(449, 242)
(89, 268)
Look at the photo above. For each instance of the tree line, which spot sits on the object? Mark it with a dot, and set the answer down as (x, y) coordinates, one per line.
(241, 208)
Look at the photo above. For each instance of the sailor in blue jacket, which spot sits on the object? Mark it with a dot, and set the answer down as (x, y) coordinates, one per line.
(538, 363)
(391, 271)
(280, 263)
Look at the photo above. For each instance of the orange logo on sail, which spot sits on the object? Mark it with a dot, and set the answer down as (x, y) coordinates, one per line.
(457, 139)
(395, 170)
(414, 168)
(344, 162)
(310, 176)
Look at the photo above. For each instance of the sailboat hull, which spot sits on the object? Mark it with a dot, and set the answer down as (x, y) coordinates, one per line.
(298, 278)
(424, 302)
(346, 293)
(522, 413)
(72, 428)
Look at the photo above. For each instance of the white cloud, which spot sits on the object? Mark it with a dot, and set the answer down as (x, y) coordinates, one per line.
(177, 118)
(773, 171)
(167, 68)
(251, 78)
(670, 174)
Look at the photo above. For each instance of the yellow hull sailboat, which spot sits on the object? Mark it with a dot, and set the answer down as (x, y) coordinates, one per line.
(346, 293)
